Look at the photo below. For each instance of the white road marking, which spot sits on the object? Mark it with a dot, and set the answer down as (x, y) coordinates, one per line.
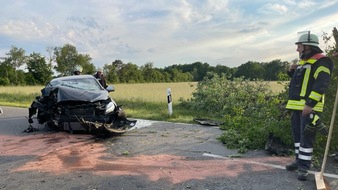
(264, 164)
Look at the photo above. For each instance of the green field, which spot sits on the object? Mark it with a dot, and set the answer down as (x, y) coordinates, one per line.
(141, 100)
(147, 92)
(156, 92)
(151, 92)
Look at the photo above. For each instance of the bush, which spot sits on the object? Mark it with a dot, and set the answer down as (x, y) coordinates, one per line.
(330, 96)
(249, 110)
(4, 81)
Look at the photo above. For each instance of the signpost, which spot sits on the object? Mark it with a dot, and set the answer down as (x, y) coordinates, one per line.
(170, 103)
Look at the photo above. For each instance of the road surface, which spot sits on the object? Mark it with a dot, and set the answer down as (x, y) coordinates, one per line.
(153, 155)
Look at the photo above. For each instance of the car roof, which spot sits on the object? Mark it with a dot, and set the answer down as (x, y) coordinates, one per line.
(73, 77)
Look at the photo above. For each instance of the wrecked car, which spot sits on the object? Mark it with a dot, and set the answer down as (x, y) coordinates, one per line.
(79, 103)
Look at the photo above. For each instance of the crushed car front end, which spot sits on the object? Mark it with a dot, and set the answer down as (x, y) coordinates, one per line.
(79, 104)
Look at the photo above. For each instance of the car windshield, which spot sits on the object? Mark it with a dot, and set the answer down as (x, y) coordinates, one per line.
(84, 84)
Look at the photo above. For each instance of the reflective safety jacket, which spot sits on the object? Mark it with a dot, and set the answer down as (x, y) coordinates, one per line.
(309, 83)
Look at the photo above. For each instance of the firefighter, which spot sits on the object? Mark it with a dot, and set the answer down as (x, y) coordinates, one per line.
(100, 77)
(78, 70)
(310, 78)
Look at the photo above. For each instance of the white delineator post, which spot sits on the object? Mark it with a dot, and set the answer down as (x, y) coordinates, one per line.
(170, 103)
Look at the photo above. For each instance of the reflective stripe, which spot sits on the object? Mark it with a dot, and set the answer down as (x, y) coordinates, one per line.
(301, 62)
(319, 107)
(295, 104)
(296, 147)
(315, 119)
(311, 61)
(299, 105)
(321, 69)
(304, 157)
(305, 80)
(315, 96)
(306, 150)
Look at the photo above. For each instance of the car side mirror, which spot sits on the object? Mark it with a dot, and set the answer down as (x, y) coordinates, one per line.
(110, 89)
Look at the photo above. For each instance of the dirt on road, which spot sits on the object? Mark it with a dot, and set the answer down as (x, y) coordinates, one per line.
(154, 155)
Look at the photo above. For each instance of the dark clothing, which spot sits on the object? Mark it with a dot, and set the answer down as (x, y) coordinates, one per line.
(101, 80)
(77, 73)
(303, 144)
(309, 82)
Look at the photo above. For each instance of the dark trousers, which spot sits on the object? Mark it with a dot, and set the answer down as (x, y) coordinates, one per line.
(303, 143)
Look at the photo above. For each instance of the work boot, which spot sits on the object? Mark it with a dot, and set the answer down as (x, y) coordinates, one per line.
(293, 166)
(302, 174)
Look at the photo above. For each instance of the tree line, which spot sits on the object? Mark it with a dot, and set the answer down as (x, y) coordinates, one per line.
(17, 68)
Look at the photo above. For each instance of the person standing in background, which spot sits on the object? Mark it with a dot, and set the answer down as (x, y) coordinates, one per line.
(78, 70)
(100, 77)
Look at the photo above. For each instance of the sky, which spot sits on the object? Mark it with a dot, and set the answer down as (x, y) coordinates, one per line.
(166, 32)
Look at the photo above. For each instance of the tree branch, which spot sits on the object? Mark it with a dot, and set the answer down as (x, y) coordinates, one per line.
(335, 35)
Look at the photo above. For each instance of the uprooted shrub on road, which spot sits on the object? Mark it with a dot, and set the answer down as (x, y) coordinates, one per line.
(250, 111)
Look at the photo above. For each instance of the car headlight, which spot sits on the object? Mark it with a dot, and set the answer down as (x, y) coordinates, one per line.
(110, 107)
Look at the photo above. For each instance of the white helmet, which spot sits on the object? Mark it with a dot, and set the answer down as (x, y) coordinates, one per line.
(308, 39)
(78, 68)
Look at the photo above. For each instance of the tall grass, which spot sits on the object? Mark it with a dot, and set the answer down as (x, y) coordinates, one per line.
(149, 101)
(18, 96)
(154, 92)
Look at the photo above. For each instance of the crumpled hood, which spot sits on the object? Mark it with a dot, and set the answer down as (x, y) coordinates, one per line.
(71, 94)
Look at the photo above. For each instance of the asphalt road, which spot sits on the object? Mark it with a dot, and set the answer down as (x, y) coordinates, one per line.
(153, 155)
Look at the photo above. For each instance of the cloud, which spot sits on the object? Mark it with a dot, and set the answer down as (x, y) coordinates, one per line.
(306, 4)
(273, 9)
(85, 21)
(166, 32)
(30, 30)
